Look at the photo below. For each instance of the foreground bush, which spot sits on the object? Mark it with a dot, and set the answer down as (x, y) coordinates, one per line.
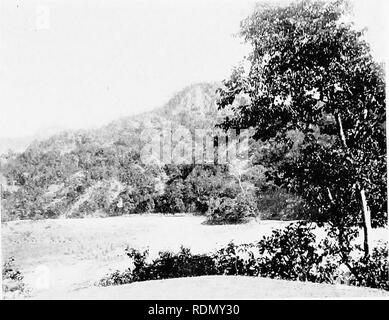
(278, 204)
(231, 210)
(167, 265)
(290, 254)
(373, 271)
(13, 285)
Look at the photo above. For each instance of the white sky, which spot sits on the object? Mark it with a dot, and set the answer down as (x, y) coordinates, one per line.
(93, 61)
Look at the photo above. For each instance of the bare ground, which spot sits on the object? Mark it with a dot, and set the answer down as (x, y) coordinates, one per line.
(65, 257)
(223, 287)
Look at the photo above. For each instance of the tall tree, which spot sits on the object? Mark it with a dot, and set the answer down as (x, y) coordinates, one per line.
(311, 71)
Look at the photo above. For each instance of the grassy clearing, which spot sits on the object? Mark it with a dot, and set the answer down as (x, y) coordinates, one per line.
(63, 255)
(223, 287)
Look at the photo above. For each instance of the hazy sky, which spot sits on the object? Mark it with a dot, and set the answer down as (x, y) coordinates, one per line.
(82, 63)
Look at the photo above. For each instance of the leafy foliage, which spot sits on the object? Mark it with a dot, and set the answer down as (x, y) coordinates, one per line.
(312, 74)
(13, 280)
(231, 210)
(278, 204)
(100, 173)
(167, 265)
(372, 271)
(291, 254)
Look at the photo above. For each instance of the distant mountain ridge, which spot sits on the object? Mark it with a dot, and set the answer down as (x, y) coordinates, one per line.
(105, 171)
(192, 107)
(19, 144)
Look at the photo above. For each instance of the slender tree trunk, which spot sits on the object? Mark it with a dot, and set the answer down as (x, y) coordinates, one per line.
(366, 223)
(241, 186)
(366, 217)
(341, 132)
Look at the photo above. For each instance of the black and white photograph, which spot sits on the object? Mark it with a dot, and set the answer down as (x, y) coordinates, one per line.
(169, 150)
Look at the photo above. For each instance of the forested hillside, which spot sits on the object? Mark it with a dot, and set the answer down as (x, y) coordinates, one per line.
(100, 173)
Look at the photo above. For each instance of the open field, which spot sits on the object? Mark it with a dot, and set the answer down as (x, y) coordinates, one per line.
(223, 287)
(64, 257)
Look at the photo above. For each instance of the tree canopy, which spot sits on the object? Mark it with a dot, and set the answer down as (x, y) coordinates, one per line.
(311, 71)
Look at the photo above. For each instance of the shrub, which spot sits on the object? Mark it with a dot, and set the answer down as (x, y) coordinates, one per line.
(357, 269)
(116, 278)
(227, 210)
(236, 260)
(221, 210)
(13, 284)
(290, 254)
(277, 204)
(372, 271)
(167, 265)
(170, 202)
(183, 264)
(246, 205)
